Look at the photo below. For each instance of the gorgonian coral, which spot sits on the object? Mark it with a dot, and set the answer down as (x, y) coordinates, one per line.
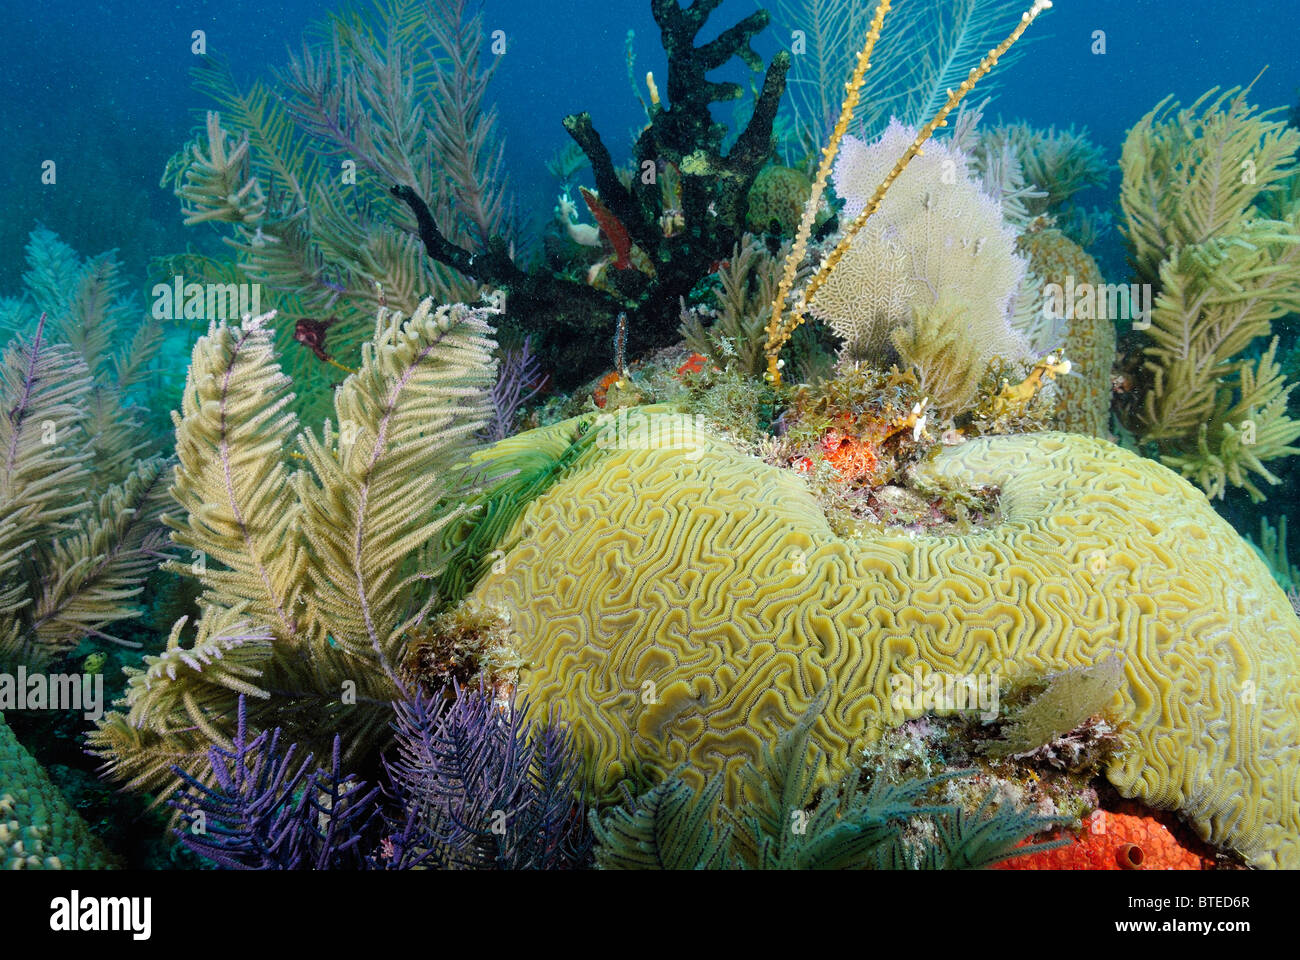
(936, 233)
(472, 785)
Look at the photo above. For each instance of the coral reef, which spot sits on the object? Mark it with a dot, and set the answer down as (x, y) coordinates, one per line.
(780, 329)
(1089, 339)
(926, 53)
(1130, 838)
(682, 602)
(80, 509)
(776, 201)
(672, 827)
(290, 170)
(760, 509)
(681, 240)
(935, 234)
(473, 786)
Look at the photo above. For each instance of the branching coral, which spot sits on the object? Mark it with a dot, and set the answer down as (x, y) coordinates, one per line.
(1057, 163)
(1272, 548)
(391, 97)
(217, 185)
(314, 574)
(937, 344)
(473, 787)
(485, 787)
(925, 53)
(261, 807)
(519, 380)
(747, 284)
(681, 240)
(79, 513)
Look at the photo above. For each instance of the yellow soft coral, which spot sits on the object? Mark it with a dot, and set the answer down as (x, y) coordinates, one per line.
(684, 603)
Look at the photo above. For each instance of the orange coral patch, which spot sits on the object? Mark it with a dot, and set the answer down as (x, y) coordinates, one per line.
(854, 460)
(694, 364)
(607, 381)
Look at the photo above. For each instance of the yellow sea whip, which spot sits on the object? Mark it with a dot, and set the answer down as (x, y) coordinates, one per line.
(777, 335)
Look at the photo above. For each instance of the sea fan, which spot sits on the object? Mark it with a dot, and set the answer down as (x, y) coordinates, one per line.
(268, 810)
(518, 381)
(482, 789)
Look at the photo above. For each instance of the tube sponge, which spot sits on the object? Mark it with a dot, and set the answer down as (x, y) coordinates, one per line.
(683, 603)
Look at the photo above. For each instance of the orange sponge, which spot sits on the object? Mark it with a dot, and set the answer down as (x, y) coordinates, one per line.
(1140, 839)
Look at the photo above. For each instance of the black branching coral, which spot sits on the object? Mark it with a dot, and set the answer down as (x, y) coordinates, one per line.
(314, 563)
(683, 140)
(288, 171)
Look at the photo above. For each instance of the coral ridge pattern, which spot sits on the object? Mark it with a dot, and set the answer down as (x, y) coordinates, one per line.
(684, 602)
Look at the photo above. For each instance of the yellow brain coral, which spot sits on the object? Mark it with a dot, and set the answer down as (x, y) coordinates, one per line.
(683, 603)
(1089, 340)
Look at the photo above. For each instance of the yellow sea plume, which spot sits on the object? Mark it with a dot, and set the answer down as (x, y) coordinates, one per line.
(683, 603)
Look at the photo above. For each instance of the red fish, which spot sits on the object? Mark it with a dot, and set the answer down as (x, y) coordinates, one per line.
(612, 228)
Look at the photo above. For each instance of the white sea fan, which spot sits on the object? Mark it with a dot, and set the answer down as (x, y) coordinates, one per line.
(935, 231)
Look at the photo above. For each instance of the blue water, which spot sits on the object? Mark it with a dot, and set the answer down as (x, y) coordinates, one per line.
(104, 89)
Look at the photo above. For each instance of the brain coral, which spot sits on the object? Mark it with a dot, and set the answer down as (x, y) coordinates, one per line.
(38, 830)
(1089, 340)
(779, 193)
(683, 603)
